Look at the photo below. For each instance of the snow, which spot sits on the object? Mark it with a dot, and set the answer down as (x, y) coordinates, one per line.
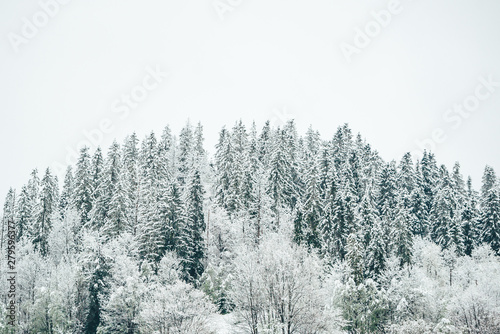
(224, 324)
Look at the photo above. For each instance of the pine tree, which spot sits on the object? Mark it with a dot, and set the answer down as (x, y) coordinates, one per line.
(446, 215)
(185, 157)
(419, 207)
(83, 186)
(309, 216)
(376, 255)
(470, 219)
(191, 247)
(9, 214)
(150, 240)
(406, 175)
(264, 145)
(172, 218)
(67, 198)
(32, 209)
(430, 177)
(401, 236)
(387, 200)
(25, 213)
(224, 164)
(355, 257)
(131, 181)
(96, 169)
(48, 205)
(490, 207)
(339, 213)
(281, 187)
(113, 199)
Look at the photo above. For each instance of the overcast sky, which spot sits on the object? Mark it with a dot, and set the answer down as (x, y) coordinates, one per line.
(399, 73)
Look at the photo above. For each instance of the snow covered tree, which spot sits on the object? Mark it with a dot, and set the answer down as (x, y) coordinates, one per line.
(429, 179)
(387, 200)
(490, 207)
(281, 186)
(25, 212)
(130, 174)
(401, 236)
(67, 198)
(148, 234)
(419, 208)
(122, 305)
(9, 213)
(446, 215)
(115, 186)
(83, 186)
(185, 157)
(92, 283)
(277, 288)
(376, 255)
(355, 257)
(309, 214)
(48, 205)
(470, 219)
(191, 247)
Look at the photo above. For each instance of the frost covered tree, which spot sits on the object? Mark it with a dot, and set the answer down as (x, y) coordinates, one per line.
(48, 205)
(470, 219)
(83, 186)
(191, 247)
(446, 214)
(67, 198)
(9, 213)
(490, 206)
(277, 288)
(173, 306)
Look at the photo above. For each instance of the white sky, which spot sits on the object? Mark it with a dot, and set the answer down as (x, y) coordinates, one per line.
(267, 59)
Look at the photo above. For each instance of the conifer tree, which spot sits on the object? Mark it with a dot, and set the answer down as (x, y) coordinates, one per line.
(24, 212)
(67, 198)
(490, 207)
(131, 181)
(185, 157)
(48, 205)
(114, 200)
(9, 214)
(420, 225)
(446, 215)
(224, 164)
(83, 186)
(355, 257)
(309, 216)
(150, 240)
(470, 219)
(191, 247)
(430, 177)
(401, 236)
(280, 183)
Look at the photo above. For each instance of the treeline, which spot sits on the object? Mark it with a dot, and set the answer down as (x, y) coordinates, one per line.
(150, 222)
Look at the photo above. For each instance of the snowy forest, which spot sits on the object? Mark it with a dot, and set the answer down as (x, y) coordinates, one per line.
(275, 233)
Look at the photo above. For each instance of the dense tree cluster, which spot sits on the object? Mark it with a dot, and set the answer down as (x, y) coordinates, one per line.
(141, 235)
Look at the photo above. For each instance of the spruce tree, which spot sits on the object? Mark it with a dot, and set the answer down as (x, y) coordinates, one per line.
(25, 213)
(470, 219)
(83, 186)
(9, 214)
(191, 247)
(67, 197)
(401, 236)
(446, 214)
(48, 205)
(490, 207)
(130, 173)
(150, 240)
